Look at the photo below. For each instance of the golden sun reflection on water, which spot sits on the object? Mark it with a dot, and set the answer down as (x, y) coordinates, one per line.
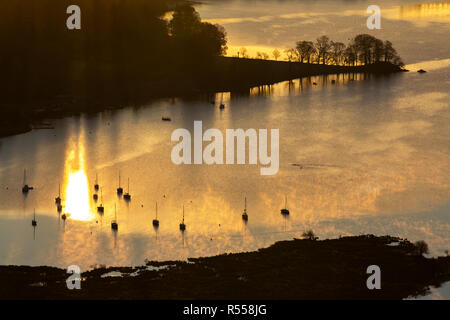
(76, 187)
(77, 197)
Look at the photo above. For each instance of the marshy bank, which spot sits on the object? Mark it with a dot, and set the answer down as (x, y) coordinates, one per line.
(296, 269)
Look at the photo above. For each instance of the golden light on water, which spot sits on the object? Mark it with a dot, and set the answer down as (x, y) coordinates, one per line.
(76, 187)
(434, 11)
(77, 197)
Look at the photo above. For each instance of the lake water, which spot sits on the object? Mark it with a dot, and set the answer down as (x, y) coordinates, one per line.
(363, 155)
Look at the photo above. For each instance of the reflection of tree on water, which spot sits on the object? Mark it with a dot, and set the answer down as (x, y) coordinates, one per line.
(34, 232)
(114, 233)
(285, 220)
(183, 238)
(302, 84)
(156, 234)
(244, 229)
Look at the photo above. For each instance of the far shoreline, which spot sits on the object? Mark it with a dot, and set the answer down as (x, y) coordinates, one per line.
(225, 74)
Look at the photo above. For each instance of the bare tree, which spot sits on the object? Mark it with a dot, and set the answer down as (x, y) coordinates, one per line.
(364, 44)
(398, 61)
(276, 54)
(337, 52)
(243, 53)
(378, 50)
(305, 50)
(290, 54)
(309, 235)
(323, 48)
(351, 54)
(364, 49)
(389, 51)
(421, 247)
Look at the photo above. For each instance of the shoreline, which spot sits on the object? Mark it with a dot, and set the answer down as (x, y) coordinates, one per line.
(223, 74)
(292, 269)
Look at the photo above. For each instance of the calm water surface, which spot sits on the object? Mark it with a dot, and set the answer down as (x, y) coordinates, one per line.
(361, 156)
(372, 156)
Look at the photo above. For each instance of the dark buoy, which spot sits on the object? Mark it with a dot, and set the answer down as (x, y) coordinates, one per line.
(114, 224)
(63, 216)
(156, 221)
(96, 186)
(421, 71)
(221, 105)
(127, 195)
(100, 208)
(182, 225)
(119, 189)
(244, 215)
(285, 210)
(34, 222)
(25, 187)
(58, 198)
